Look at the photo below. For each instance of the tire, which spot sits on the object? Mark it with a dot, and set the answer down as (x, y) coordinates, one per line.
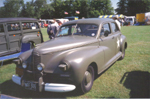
(123, 55)
(88, 79)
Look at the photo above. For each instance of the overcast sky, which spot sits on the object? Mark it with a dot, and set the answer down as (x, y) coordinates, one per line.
(114, 3)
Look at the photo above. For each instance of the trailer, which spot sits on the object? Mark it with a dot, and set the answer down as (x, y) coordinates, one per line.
(143, 18)
(129, 20)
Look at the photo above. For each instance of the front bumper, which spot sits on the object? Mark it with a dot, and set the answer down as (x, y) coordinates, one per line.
(52, 87)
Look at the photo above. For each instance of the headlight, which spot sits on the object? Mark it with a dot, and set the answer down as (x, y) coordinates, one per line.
(24, 65)
(40, 67)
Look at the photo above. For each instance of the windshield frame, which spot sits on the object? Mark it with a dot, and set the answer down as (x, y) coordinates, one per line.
(76, 25)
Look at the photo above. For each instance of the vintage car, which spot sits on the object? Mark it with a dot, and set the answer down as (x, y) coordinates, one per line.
(18, 35)
(81, 50)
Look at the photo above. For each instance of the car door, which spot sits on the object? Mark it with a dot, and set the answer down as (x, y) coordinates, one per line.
(3, 41)
(14, 36)
(107, 42)
(117, 34)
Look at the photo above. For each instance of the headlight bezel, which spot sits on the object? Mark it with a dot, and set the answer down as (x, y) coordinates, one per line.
(40, 67)
(24, 65)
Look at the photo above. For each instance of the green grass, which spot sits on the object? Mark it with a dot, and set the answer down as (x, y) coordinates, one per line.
(125, 79)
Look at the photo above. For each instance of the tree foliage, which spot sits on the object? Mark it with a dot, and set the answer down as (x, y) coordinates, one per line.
(56, 8)
(122, 7)
(132, 7)
(11, 8)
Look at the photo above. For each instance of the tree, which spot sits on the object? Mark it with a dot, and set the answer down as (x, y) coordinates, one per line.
(48, 12)
(101, 7)
(138, 6)
(28, 10)
(122, 7)
(12, 7)
(85, 6)
(132, 7)
(39, 7)
(57, 9)
(2, 12)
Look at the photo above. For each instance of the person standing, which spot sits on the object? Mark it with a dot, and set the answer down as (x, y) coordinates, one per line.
(52, 29)
(59, 23)
(116, 20)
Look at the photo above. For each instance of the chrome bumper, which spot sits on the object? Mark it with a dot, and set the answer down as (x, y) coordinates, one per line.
(52, 87)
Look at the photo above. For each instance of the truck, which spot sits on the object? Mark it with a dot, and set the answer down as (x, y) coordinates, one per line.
(143, 18)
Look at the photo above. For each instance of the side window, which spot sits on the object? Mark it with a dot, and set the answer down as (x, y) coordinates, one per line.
(29, 25)
(13, 27)
(1, 28)
(63, 31)
(114, 27)
(105, 28)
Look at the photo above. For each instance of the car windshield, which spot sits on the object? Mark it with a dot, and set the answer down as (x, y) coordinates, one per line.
(78, 29)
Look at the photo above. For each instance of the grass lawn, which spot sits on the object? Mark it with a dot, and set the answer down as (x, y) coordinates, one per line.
(125, 79)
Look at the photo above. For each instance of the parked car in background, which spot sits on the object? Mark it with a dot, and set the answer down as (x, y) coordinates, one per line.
(49, 21)
(130, 20)
(62, 20)
(18, 35)
(43, 23)
(72, 18)
(81, 50)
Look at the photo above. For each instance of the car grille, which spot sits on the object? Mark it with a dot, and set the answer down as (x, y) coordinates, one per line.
(36, 60)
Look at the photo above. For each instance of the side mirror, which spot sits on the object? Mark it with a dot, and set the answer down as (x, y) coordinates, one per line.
(106, 33)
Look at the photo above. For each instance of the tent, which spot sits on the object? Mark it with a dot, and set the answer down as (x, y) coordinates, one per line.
(110, 16)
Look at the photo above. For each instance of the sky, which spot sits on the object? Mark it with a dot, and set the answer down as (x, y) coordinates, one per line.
(114, 3)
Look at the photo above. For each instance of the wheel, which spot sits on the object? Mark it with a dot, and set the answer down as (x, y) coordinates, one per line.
(88, 79)
(123, 54)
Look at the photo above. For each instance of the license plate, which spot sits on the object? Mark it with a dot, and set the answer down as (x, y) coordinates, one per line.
(30, 85)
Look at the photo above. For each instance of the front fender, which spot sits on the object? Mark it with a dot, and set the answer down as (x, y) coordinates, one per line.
(123, 41)
(24, 56)
(81, 59)
(31, 38)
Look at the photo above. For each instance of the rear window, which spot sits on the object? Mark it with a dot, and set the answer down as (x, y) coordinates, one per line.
(13, 27)
(30, 25)
(1, 28)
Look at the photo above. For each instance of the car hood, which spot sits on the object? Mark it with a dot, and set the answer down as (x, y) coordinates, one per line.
(64, 43)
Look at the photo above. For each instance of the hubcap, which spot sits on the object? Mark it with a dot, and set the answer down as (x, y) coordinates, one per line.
(88, 77)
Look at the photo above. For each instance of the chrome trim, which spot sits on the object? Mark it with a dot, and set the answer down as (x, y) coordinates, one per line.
(16, 79)
(53, 87)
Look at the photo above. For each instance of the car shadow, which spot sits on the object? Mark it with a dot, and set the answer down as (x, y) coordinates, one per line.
(138, 82)
(6, 62)
(12, 89)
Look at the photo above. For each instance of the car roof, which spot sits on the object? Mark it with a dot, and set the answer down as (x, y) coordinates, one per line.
(89, 21)
(16, 19)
